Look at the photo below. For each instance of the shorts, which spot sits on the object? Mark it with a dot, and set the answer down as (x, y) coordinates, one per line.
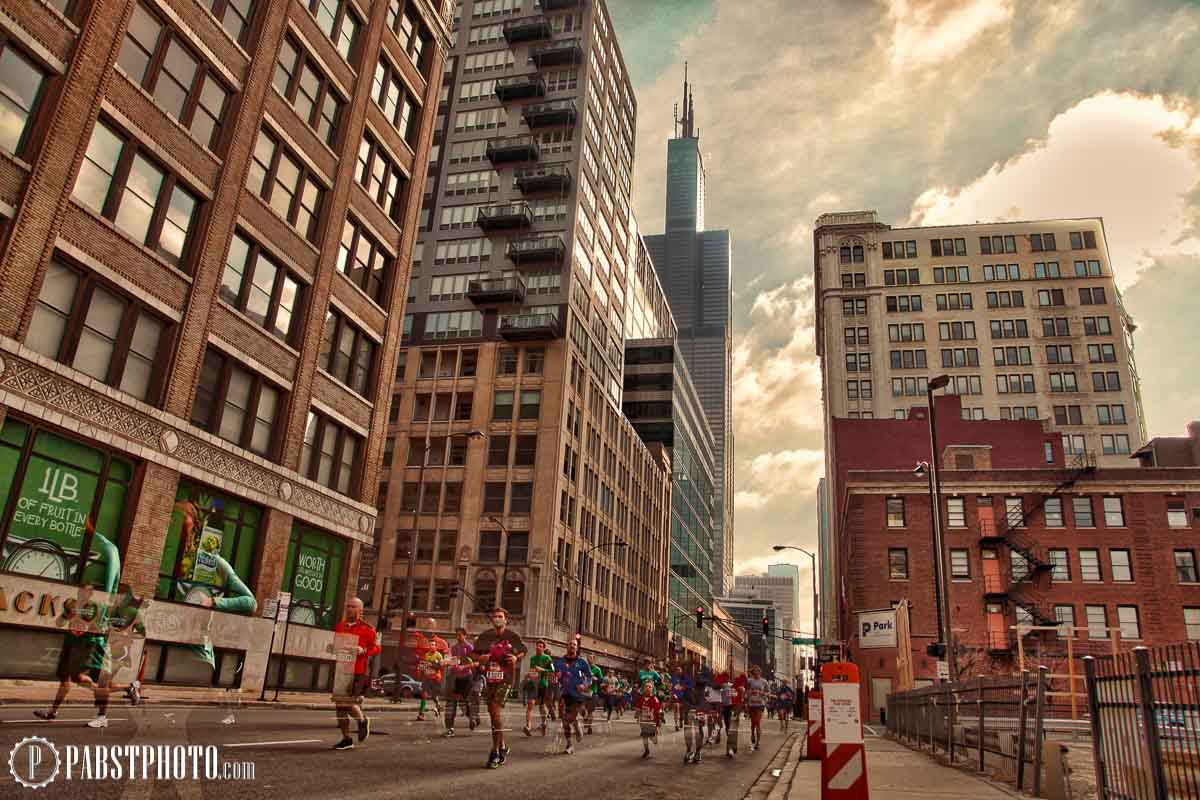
(530, 693)
(571, 703)
(496, 694)
(431, 688)
(461, 685)
(81, 655)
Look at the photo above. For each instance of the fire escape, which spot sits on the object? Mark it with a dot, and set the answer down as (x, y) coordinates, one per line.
(1022, 587)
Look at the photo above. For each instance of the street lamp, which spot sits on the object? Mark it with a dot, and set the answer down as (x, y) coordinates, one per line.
(406, 608)
(939, 543)
(780, 548)
(583, 585)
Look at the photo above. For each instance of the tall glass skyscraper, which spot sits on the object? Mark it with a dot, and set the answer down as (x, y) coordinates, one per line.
(694, 266)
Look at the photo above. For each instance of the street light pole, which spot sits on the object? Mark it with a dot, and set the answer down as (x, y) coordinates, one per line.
(938, 532)
(816, 632)
(406, 608)
(583, 584)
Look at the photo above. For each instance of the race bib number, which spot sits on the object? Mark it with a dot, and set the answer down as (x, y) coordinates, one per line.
(494, 674)
(756, 697)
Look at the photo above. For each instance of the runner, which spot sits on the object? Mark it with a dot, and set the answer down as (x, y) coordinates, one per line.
(693, 719)
(649, 673)
(461, 675)
(756, 699)
(594, 697)
(728, 718)
(543, 663)
(429, 652)
(529, 698)
(713, 704)
(680, 685)
(553, 693)
(575, 676)
(498, 650)
(610, 689)
(783, 707)
(649, 716)
(367, 647)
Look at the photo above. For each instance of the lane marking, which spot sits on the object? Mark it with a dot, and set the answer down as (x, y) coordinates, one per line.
(263, 744)
(38, 721)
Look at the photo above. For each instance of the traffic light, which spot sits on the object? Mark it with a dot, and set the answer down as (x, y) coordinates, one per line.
(936, 650)
(766, 625)
(699, 616)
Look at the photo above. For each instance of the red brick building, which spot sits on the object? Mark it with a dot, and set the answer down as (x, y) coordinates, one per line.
(207, 214)
(1031, 540)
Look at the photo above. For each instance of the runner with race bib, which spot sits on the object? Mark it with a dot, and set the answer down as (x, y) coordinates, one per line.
(756, 703)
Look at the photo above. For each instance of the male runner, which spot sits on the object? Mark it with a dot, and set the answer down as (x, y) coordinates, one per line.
(649, 716)
(575, 677)
(498, 650)
(787, 699)
(649, 673)
(461, 673)
(692, 702)
(367, 647)
(593, 698)
(756, 701)
(541, 666)
(430, 651)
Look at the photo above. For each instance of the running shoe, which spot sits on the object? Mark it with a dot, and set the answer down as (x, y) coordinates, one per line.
(473, 724)
(46, 715)
(133, 692)
(645, 754)
(345, 743)
(504, 750)
(699, 759)
(229, 720)
(729, 752)
(687, 758)
(589, 730)
(449, 733)
(420, 717)
(99, 722)
(570, 749)
(528, 731)
(364, 728)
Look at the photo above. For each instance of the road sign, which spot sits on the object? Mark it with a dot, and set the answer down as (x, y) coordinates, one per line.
(805, 640)
(943, 670)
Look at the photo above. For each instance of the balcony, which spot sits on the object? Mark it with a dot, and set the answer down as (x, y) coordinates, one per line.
(527, 29)
(989, 533)
(557, 54)
(496, 291)
(558, 5)
(548, 178)
(511, 149)
(524, 327)
(541, 250)
(995, 588)
(504, 217)
(1000, 643)
(550, 115)
(520, 87)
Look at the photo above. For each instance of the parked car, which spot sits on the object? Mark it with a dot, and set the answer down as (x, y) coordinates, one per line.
(385, 685)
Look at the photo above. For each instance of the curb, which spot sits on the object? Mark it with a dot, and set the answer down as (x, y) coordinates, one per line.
(783, 787)
(244, 704)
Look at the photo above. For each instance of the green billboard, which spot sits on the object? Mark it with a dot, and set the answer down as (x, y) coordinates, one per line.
(313, 574)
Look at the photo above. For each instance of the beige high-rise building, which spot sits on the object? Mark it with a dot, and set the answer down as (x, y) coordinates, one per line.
(1024, 317)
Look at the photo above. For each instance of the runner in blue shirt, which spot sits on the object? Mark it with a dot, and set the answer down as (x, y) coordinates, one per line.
(575, 679)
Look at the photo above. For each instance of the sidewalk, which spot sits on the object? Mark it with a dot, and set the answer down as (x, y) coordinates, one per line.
(896, 773)
(36, 694)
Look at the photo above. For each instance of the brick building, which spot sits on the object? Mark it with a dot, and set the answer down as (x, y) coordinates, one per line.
(1032, 540)
(207, 210)
(508, 455)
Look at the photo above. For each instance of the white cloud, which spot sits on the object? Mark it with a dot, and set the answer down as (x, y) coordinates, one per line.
(928, 32)
(1124, 157)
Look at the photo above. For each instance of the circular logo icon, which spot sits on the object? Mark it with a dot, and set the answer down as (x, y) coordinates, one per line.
(34, 762)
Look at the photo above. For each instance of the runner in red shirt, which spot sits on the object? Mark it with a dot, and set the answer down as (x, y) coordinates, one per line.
(367, 647)
(430, 651)
(649, 716)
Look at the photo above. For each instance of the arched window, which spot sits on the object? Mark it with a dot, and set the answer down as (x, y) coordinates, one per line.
(845, 255)
(513, 597)
(858, 254)
(485, 591)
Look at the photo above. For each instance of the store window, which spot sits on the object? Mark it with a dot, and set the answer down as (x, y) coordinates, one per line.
(210, 546)
(56, 485)
(313, 575)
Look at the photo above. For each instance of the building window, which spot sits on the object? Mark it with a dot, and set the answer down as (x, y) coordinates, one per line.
(1106, 381)
(502, 406)
(1083, 239)
(337, 21)
(146, 202)
(1185, 566)
(1014, 512)
(531, 403)
(960, 564)
(1114, 513)
(80, 322)
(286, 184)
(498, 448)
(21, 83)
(1082, 506)
(257, 286)
(1019, 564)
(364, 261)
(302, 83)
(1089, 565)
(521, 501)
(1060, 560)
(1097, 621)
(1066, 620)
(956, 512)
(236, 404)
(411, 31)
(378, 174)
(535, 359)
(526, 451)
(331, 454)
(347, 353)
(898, 563)
(895, 512)
(493, 499)
(486, 596)
(156, 58)
(235, 16)
(453, 324)
(391, 95)
(1119, 562)
(1092, 296)
(1191, 623)
(947, 247)
(1053, 510)
(1114, 443)
(1176, 514)
(1127, 618)
(1068, 415)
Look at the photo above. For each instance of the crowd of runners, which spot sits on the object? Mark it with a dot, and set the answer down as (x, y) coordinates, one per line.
(566, 697)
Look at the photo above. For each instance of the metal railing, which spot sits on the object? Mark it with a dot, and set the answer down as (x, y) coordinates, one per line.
(995, 724)
(1145, 717)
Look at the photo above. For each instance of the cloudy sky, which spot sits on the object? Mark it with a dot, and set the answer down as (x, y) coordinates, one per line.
(930, 112)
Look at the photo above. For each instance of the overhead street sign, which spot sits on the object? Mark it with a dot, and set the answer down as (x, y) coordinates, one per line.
(805, 640)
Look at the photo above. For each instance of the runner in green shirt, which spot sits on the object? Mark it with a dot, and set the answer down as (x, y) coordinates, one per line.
(648, 673)
(541, 665)
(597, 677)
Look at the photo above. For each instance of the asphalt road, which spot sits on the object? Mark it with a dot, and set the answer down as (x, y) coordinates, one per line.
(292, 757)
